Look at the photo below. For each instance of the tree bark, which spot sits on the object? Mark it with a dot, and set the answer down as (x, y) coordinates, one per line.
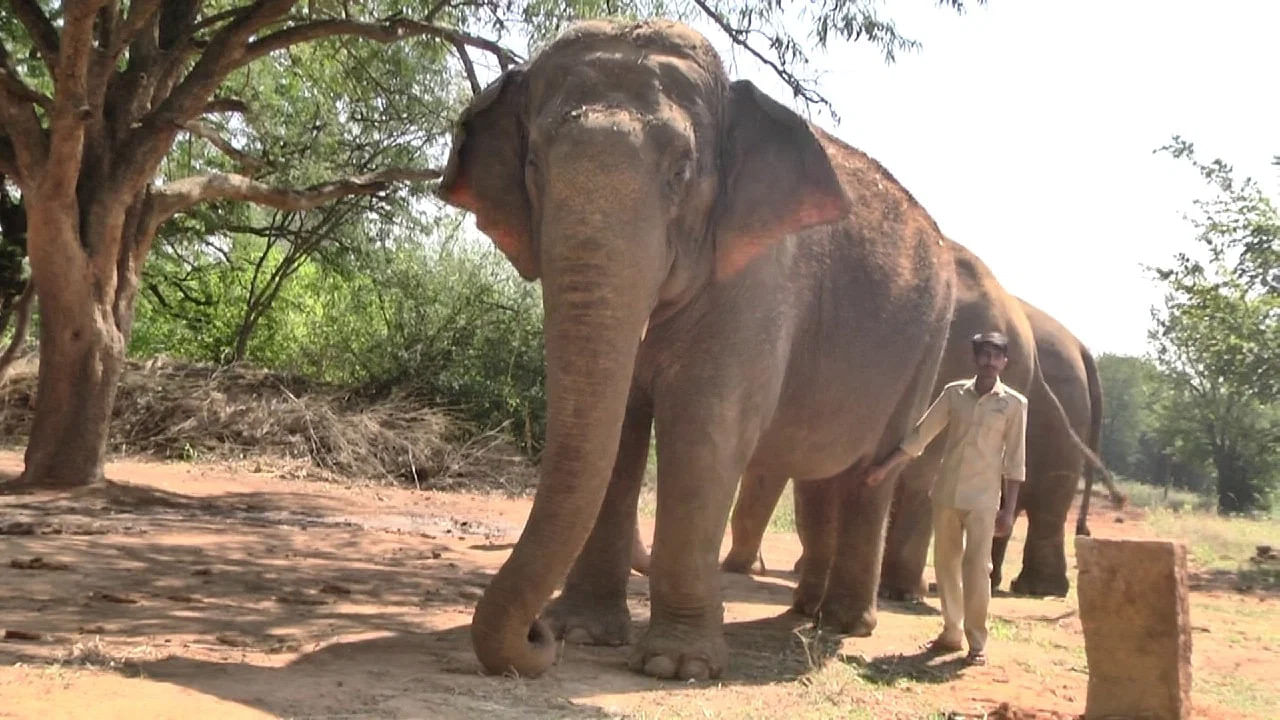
(81, 358)
(82, 347)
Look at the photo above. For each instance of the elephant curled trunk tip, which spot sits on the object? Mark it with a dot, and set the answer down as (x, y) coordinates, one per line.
(505, 650)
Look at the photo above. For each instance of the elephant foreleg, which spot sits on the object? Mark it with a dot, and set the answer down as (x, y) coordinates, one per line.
(592, 608)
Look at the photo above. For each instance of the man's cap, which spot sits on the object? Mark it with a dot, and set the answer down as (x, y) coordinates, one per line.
(990, 338)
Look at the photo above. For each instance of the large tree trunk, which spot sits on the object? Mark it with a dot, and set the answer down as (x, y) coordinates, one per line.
(80, 363)
(86, 312)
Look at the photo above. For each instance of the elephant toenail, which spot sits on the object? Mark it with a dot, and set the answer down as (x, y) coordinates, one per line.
(696, 669)
(660, 666)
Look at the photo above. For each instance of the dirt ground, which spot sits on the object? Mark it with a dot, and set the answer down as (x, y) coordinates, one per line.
(184, 591)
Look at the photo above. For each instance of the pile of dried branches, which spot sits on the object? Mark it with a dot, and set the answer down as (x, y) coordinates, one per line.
(177, 410)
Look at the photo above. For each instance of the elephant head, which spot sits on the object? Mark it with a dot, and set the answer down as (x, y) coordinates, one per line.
(622, 169)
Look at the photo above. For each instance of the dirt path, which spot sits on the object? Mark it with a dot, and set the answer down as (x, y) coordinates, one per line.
(194, 591)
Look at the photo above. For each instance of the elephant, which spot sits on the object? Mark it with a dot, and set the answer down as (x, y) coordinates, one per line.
(1066, 405)
(982, 304)
(715, 271)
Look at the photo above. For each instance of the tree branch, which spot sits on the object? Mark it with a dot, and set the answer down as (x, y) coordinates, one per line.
(13, 85)
(388, 32)
(180, 195)
(740, 38)
(155, 131)
(27, 138)
(44, 37)
(23, 308)
(246, 161)
(226, 105)
(141, 13)
(71, 103)
(469, 67)
(8, 161)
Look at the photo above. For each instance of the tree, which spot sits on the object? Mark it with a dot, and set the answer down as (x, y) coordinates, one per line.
(1218, 337)
(94, 94)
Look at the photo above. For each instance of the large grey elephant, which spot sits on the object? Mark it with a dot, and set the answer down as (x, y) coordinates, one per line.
(1064, 405)
(717, 269)
(982, 304)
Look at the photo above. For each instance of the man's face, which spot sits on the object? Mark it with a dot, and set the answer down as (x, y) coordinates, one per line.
(990, 361)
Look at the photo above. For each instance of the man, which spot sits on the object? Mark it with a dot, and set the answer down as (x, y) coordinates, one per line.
(984, 461)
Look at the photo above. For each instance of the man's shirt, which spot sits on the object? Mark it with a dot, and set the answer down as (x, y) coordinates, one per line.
(986, 439)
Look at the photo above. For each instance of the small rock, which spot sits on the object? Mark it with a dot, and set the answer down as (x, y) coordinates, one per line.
(1120, 518)
(93, 629)
(19, 527)
(435, 555)
(182, 598)
(14, 634)
(335, 589)
(202, 571)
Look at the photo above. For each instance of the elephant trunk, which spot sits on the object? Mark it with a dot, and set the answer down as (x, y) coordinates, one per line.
(596, 308)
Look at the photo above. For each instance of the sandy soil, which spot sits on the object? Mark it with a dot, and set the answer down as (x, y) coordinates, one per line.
(187, 591)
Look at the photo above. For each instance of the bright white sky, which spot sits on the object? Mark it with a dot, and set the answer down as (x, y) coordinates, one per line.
(1027, 128)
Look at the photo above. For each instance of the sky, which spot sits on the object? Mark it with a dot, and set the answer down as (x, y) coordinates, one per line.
(1027, 130)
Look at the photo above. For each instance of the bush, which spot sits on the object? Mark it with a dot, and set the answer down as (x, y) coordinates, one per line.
(446, 320)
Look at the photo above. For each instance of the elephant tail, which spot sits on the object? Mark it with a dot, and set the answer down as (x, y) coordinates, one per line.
(1088, 450)
(1095, 443)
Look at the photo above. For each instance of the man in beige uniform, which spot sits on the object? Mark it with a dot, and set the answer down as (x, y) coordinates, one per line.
(984, 461)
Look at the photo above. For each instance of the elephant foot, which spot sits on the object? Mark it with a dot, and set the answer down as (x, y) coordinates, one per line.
(739, 561)
(588, 623)
(901, 594)
(806, 599)
(1041, 586)
(669, 650)
(996, 579)
(847, 616)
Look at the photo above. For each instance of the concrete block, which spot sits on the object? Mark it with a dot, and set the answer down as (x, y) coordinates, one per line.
(1137, 629)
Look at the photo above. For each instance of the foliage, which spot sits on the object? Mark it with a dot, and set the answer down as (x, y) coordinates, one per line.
(1218, 336)
(448, 319)
(1138, 427)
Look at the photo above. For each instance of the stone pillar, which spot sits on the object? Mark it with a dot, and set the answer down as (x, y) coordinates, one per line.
(1137, 631)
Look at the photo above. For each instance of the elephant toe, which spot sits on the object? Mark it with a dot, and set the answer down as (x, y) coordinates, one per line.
(680, 655)
(584, 624)
(847, 617)
(1041, 587)
(900, 594)
(736, 563)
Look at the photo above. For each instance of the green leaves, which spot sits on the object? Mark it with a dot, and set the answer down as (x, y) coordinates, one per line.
(1218, 336)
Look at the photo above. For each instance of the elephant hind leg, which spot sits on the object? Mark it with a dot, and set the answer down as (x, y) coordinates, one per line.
(816, 503)
(758, 495)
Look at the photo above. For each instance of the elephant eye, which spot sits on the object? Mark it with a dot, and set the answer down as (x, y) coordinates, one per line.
(680, 173)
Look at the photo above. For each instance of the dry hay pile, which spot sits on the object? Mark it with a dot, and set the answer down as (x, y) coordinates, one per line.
(177, 410)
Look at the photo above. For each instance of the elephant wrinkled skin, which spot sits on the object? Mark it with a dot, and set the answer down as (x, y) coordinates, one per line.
(718, 272)
(1069, 392)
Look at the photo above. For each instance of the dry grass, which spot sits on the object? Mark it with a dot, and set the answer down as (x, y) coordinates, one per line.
(175, 410)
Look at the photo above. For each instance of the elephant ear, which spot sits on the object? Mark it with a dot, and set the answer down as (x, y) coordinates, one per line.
(485, 173)
(776, 179)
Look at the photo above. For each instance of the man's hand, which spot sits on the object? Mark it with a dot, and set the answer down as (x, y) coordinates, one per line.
(876, 474)
(1004, 523)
